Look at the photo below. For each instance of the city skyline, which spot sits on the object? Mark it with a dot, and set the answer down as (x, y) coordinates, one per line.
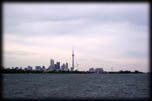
(103, 35)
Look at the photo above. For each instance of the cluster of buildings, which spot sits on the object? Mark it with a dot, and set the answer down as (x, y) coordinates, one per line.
(52, 67)
(57, 67)
(96, 70)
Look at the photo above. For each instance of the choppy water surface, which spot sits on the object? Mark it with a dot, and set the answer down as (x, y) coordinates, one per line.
(34, 86)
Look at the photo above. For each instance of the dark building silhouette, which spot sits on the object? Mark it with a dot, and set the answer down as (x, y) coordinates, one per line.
(58, 65)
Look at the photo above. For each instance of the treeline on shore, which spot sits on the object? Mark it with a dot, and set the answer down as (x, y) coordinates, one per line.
(33, 71)
(125, 72)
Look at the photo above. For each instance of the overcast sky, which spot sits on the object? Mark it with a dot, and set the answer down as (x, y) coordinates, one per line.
(108, 35)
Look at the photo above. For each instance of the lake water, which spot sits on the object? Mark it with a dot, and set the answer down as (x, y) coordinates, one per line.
(71, 86)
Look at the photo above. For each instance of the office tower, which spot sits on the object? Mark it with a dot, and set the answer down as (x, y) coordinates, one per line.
(51, 66)
(58, 65)
(66, 67)
(55, 66)
(52, 63)
(63, 67)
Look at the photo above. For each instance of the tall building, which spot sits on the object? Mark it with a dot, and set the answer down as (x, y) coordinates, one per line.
(66, 67)
(58, 65)
(55, 66)
(52, 63)
(51, 66)
(63, 67)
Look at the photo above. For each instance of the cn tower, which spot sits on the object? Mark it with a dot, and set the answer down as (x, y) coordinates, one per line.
(73, 59)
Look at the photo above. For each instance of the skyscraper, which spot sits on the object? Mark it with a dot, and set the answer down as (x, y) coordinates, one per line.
(66, 67)
(51, 66)
(63, 67)
(58, 65)
(52, 63)
(55, 66)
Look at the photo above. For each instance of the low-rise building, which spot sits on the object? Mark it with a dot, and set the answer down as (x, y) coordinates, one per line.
(96, 70)
(92, 70)
(38, 68)
(29, 68)
(99, 70)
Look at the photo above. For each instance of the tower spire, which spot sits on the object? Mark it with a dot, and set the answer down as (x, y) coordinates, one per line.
(72, 59)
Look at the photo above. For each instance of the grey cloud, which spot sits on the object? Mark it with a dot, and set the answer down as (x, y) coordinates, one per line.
(24, 53)
(27, 12)
(136, 54)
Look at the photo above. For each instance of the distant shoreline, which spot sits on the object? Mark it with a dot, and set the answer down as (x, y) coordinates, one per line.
(14, 71)
(68, 73)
